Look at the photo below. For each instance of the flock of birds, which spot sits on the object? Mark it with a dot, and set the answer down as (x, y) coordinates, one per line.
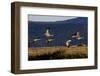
(49, 37)
(76, 36)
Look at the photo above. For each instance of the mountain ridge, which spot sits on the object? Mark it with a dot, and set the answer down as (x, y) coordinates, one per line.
(62, 30)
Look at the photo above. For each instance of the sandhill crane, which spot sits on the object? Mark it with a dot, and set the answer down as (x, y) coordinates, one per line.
(47, 33)
(36, 40)
(49, 37)
(68, 43)
(49, 40)
(77, 36)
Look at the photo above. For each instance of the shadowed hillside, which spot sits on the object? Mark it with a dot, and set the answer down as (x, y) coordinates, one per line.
(62, 31)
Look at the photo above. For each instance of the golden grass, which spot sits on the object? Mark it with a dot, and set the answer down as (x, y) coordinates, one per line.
(57, 52)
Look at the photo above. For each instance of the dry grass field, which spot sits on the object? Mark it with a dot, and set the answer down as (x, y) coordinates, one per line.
(57, 52)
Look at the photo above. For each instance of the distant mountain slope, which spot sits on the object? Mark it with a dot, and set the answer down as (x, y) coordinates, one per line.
(82, 20)
(62, 30)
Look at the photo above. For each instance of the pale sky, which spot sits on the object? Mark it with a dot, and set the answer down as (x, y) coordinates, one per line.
(44, 18)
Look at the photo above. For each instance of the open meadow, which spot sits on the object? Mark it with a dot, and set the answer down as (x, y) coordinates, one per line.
(57, 52)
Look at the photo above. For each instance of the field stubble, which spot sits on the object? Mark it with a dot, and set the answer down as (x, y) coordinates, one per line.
(57, 52)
